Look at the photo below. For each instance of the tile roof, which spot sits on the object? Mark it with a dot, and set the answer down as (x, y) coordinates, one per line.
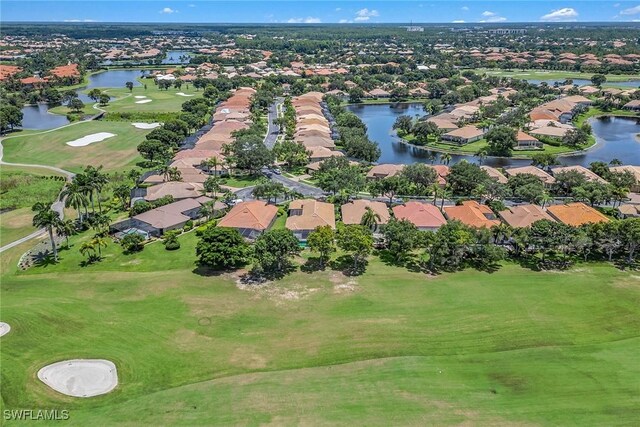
(576, 214)
(524, 215)
(473, 214)
(422, 215)
(352, 212)
(254, 215)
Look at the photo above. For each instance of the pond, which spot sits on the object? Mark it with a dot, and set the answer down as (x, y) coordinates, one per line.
(616, 137)
(38, 117)
(177, 57)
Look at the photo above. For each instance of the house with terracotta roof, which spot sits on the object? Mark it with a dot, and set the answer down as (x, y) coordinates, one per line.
(576, 214)
(250, 218)
(442, 124)
(464, 135)
(353, 211)
(384, 170)
(587, 173)
(177, 189)
(526, 142)
(531, 170)
(523, 215)
(157, 221)
(7, 71)
(473, 214)
(494, 174)
(424, 216)
(306, 215)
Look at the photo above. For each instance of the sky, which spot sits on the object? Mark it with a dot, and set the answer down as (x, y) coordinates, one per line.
(315, 11)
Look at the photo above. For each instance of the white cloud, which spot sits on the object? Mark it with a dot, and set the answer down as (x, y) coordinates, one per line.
(80, 20)
(307, 20)
(616, 5)
(492, 17)
(564, 14)
(631, 11)
(338, 9)
(458, 21)
(168, 10)
(465, 8)
(344, 21)
(365, 14)
(192, 5)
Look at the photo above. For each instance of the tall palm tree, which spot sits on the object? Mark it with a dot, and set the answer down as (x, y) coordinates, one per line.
(445, 158)
(65, 229)
(49, 219)
(444, 194)
(74, 196)
(212, 185)
(370, 219)
(96, 180)
(501, 232)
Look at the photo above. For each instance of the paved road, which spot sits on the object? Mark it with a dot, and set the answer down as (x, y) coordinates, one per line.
(273, 130)
(57, 206)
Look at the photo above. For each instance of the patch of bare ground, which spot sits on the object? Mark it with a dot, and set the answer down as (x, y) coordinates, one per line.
(343, 284)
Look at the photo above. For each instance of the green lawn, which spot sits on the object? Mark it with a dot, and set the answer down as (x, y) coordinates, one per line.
(388, 347)
(126, 101)
(555, 75)
(50, 148)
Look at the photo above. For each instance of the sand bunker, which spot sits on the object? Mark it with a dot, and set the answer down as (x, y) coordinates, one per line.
(90, 139)
(145, 125)
(183, 94)
(4, 329)
(139, 97)
(144, 101)
(80, 377)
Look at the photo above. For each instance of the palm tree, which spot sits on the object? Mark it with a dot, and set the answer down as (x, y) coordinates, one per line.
(88, 249)
(49, 219)
(212, 162)
(501, 232)
(99, 242)
(444, 194)
(615, 162)
(96, 181)
(445, 158)
(212, 185)
(175, 174)
(481, 154)
(74, 196)
(370, 219)
(65, 229)
(545, 199)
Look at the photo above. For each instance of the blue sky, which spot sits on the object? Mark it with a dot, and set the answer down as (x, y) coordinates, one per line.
(309, 11)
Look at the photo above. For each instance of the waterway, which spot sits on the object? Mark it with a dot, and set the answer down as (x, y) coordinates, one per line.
(615, 136)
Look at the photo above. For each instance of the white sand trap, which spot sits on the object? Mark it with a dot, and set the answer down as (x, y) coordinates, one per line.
(139, 97)
(145, 125)
(90, 139)
(80, 377)
(183, 94)
(144, 101)
(4, 329)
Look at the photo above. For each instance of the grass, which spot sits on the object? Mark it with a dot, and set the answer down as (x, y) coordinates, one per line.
(555, 75)
(125, 100)
(241, 181)
(20, 189)
(49, 147)
(390, 346)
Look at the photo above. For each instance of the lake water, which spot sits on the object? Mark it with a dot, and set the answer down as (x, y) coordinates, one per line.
(173, 57)
(38, 117)
(615, 136)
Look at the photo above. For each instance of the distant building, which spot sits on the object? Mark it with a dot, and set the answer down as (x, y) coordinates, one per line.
(508, 31)
(415, 29)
